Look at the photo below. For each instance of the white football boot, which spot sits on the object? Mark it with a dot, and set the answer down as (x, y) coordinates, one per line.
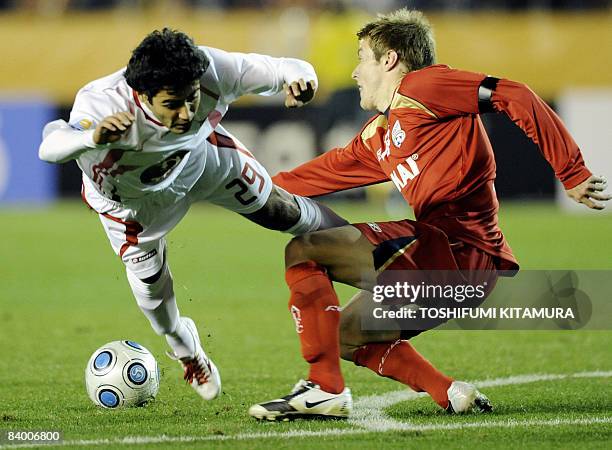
(307, 400)
(200, 372)
(464, 397)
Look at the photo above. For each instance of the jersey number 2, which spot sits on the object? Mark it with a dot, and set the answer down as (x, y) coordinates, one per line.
(250, 175)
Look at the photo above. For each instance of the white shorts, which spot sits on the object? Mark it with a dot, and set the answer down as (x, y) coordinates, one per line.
(232, 178)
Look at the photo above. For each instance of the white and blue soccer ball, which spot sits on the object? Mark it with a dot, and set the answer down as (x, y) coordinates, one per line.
(120, 374)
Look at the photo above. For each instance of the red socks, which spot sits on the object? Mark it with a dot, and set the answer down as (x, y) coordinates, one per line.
(401, 362)
(315, 309)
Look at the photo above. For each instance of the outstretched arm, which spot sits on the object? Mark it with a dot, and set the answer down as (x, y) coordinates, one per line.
(62, 143)
(95, 120)
(336, 170)
(251, 73)
(450, 92)
(545, 128)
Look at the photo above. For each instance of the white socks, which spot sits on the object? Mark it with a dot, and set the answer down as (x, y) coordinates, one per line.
(158, 303)
(181, 342)
(310, 216)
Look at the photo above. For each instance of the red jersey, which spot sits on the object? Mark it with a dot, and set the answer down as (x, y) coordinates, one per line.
(432, 145)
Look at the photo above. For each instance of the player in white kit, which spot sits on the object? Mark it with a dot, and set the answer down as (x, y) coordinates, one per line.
(149, 143)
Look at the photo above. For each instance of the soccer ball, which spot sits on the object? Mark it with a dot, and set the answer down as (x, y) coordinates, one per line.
(121, 373)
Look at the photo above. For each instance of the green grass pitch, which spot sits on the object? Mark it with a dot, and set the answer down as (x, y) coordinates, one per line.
(63, 293)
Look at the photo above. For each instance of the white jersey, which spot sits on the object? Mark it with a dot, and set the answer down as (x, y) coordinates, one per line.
(148, 157)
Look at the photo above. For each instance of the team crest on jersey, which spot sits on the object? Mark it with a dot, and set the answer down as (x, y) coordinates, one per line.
(82, 125)
(397, 134)
(159, 172)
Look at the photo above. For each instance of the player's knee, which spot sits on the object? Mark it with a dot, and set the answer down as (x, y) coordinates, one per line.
(150, 292)
(298, 250)
(346, 348)
(350, 330)
(153, 286)
(318, 246)
(345, 328)
(347, 351)
(349, 335)
(153, 279)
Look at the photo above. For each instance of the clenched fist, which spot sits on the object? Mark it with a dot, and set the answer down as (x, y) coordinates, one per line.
(113, 127)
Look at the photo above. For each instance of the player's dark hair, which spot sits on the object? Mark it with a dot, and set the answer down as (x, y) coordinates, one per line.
(407, 32)
(166, 59)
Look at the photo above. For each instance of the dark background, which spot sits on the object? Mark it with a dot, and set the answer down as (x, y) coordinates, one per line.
(522, 171)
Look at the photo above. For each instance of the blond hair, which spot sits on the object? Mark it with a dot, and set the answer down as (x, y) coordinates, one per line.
(407, 32)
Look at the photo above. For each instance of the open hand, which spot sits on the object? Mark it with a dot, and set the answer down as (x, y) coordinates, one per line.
(299, 93)
(113, 127)
(590, 190)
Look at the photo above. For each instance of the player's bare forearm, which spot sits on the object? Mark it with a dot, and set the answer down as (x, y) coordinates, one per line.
(279, 213)
(282, 212)
(591, 192)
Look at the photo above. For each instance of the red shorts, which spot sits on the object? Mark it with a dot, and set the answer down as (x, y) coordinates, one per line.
(410, 245)
(407, 245)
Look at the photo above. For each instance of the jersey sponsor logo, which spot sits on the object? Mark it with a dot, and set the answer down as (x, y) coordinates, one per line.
(380, 155)
(384, 154)
(375, 227)
(142, 258)
(397, 134)
(297, 318)
(82, 125)
(405, 172)
(160, 171)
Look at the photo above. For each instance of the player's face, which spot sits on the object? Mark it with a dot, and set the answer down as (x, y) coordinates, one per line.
(368, 75)
(176, 109)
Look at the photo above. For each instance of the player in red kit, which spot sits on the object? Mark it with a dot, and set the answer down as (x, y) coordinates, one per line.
(428, 139)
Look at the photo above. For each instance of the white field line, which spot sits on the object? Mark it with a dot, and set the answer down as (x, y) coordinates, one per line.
(163, 439)
(368, 416)
(369, 411)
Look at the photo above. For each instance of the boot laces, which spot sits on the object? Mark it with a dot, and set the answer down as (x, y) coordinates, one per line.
(198, 369)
